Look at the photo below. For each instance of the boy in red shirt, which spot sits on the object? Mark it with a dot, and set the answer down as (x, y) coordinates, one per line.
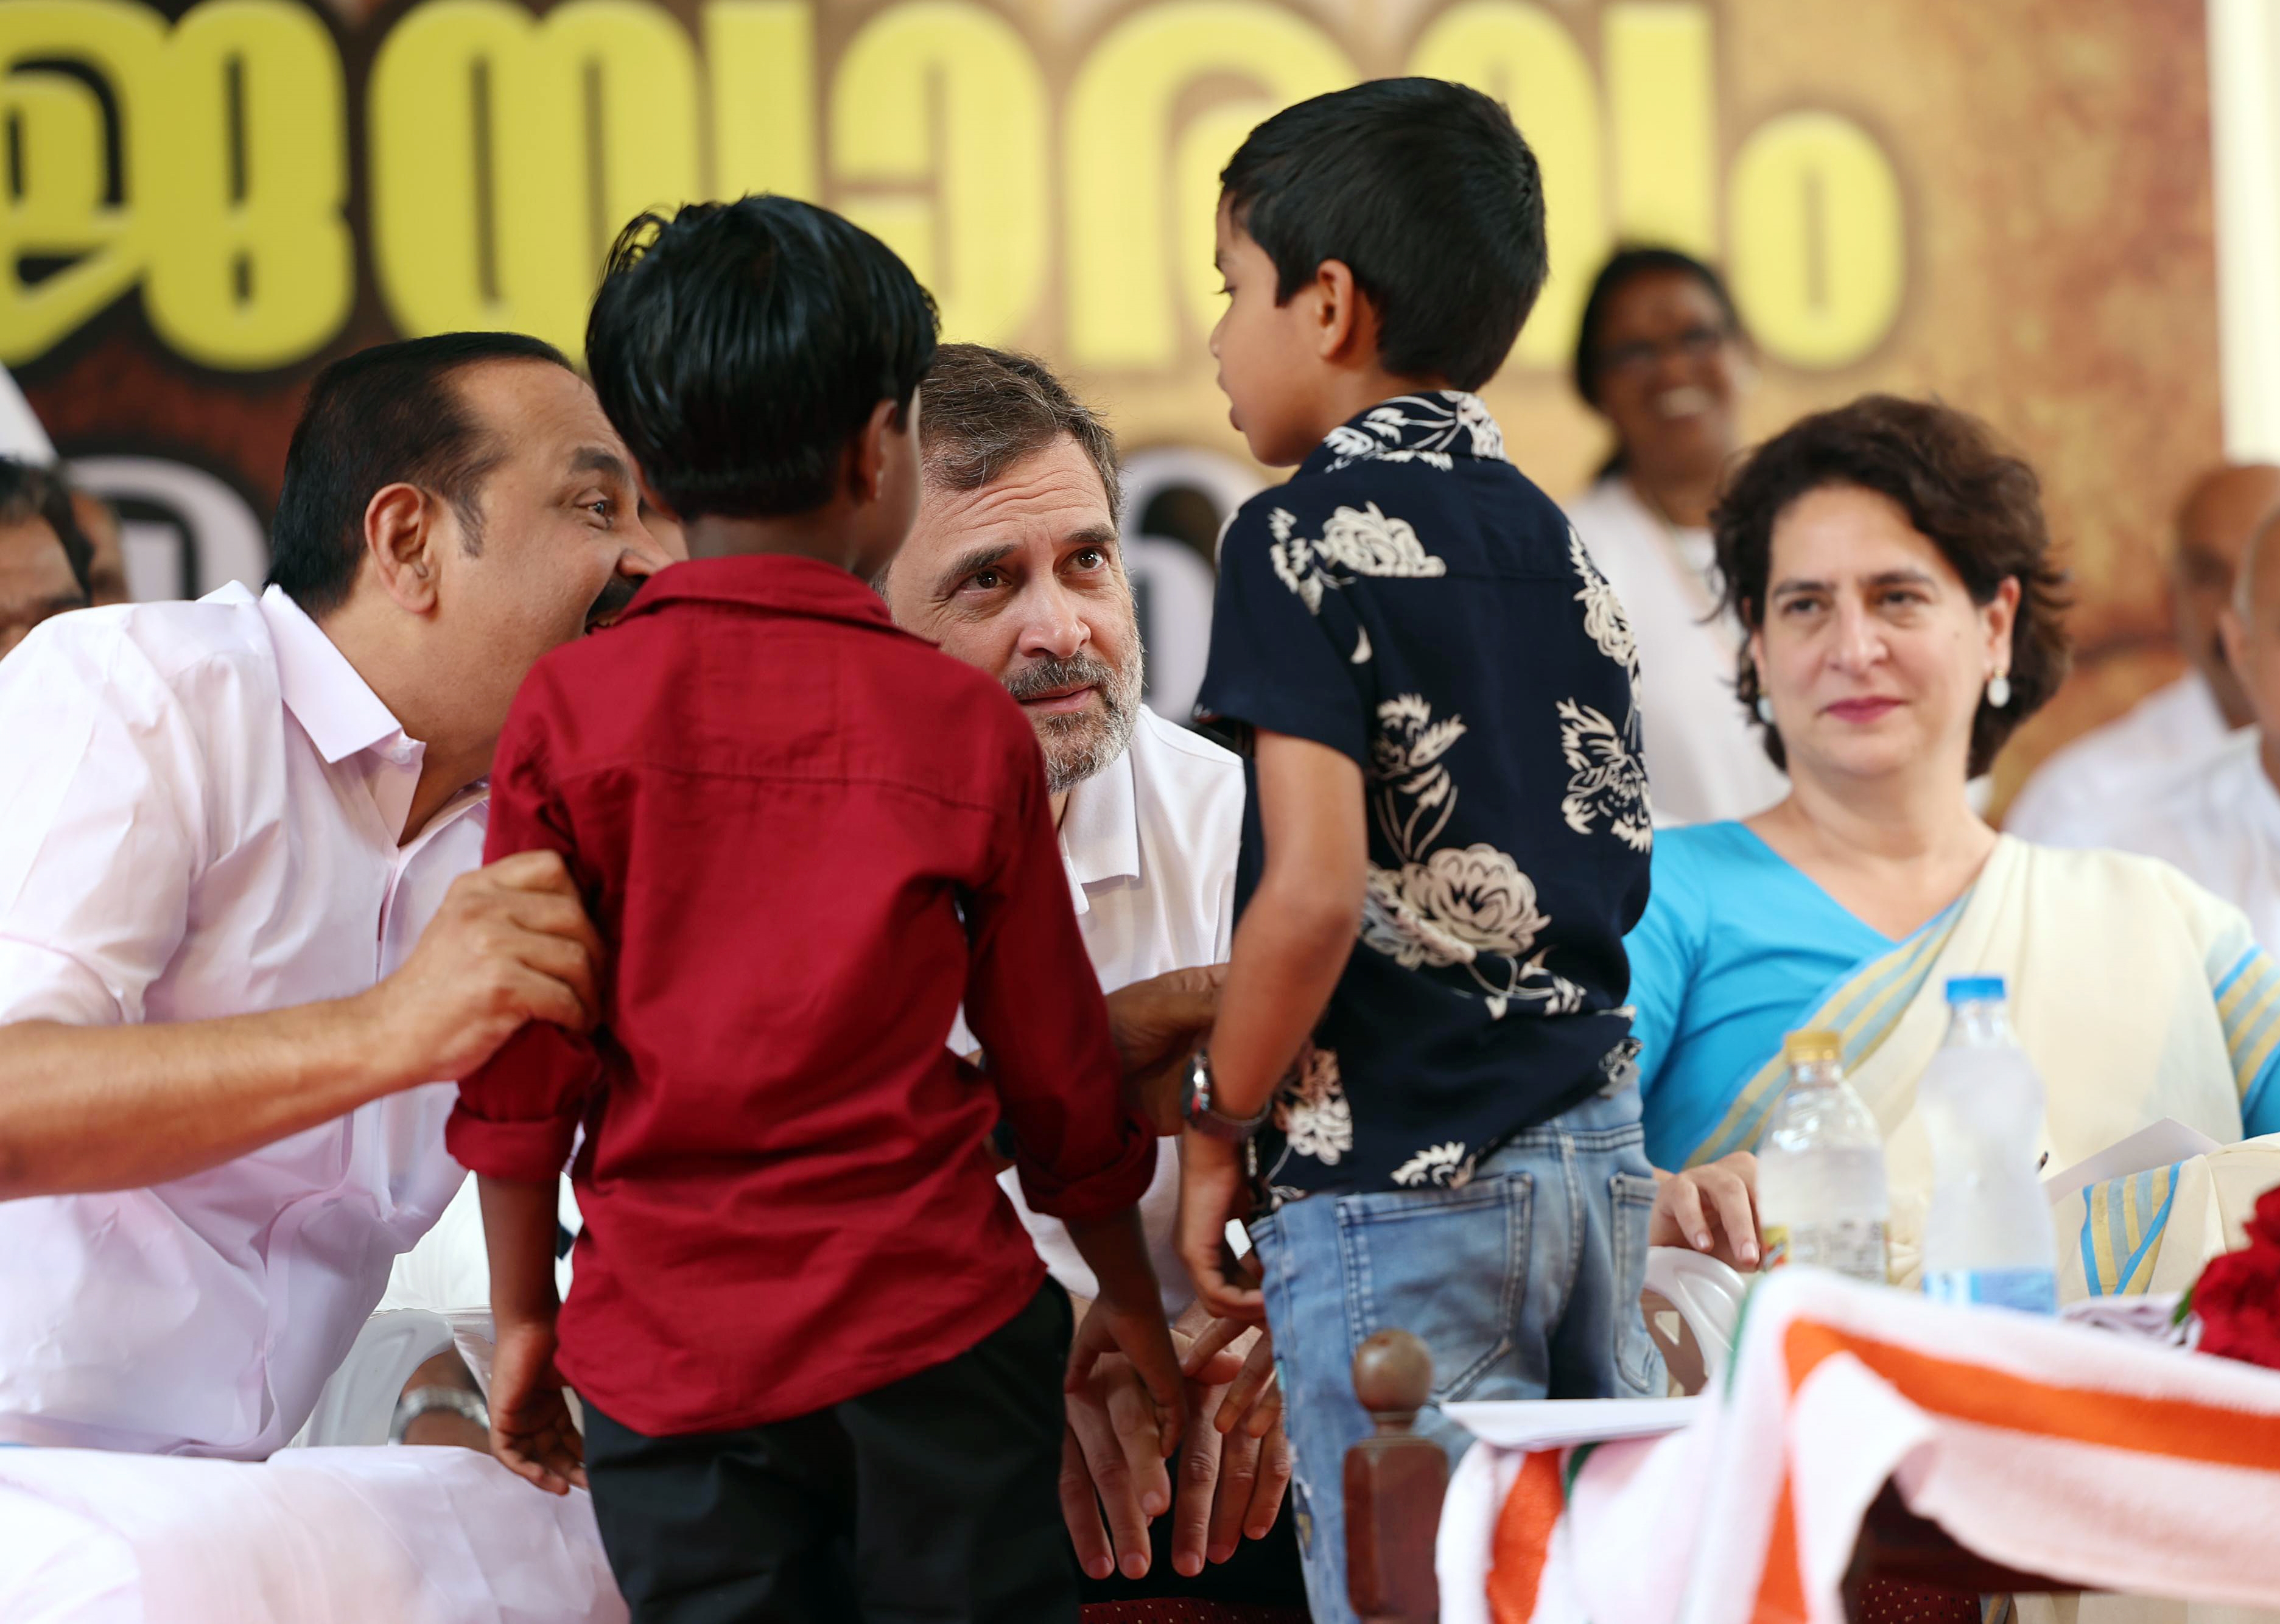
(820, 1362)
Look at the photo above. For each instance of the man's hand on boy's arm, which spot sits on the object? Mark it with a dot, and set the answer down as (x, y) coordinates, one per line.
(531, 1429)
(1157, 1025)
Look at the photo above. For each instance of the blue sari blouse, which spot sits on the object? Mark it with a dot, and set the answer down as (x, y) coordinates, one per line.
(1739, 947)
(1736, 947)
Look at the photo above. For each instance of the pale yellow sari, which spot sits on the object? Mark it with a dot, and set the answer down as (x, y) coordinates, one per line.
(2137, 994)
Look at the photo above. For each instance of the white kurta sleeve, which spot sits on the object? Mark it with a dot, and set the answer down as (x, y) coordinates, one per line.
(100, 822)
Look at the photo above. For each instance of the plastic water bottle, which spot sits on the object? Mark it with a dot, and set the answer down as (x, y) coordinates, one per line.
(1988, 1236)
(1821, 1168)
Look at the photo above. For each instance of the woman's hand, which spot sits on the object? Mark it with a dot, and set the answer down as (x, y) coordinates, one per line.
(1712, 1208)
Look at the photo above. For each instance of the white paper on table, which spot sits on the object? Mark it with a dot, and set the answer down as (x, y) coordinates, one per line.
(2166, 1141)
(1556, 1423)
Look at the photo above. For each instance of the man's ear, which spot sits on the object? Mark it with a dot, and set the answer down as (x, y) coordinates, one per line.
(867, 453)
(400, 543)
(2234, 636)
(1344, 322)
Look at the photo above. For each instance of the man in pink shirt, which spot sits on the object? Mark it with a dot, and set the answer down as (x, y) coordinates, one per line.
(240, 944)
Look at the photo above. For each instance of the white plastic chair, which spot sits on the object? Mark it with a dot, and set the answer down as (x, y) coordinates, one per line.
(1706, 1297)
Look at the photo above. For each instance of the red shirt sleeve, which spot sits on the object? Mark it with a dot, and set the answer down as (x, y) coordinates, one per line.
(518, 1113)
(1034, 1002)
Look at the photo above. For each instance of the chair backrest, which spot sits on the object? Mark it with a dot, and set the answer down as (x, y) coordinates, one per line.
(1706, 1297)
(1394, 1484)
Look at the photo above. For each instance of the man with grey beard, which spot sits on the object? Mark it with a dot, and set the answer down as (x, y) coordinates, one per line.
(1014, 566)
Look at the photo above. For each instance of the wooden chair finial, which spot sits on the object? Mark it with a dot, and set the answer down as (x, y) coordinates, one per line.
(1393, 1377)
(1394, 1482)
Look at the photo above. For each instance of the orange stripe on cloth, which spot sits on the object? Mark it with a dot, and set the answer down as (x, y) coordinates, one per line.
(1523, 1538)
(1781, 1589)
(2181, 1429)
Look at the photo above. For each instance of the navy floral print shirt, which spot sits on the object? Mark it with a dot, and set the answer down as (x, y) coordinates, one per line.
(1410, 598)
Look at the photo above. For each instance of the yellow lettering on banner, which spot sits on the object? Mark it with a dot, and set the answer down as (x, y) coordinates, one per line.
(760, 57)
(1522, 56)
(1818, 254)
(253, 265)
(944, 92)
(506, 153)
(630, 72)
(1661, 90)
(1118, 181)
(89, 225)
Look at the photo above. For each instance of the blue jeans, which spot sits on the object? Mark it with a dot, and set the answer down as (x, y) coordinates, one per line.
(1524, 1284)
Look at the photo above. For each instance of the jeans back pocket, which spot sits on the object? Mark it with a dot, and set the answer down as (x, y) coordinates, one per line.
(1447, 1264)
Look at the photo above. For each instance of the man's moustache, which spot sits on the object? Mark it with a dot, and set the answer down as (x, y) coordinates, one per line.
(1061, 673)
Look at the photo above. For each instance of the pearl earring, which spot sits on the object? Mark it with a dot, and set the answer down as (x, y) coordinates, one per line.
(1765, 709)
(1999, 690)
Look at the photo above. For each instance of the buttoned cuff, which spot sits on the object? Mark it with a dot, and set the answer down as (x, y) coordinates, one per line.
(528, 1151)
(1098, 1195)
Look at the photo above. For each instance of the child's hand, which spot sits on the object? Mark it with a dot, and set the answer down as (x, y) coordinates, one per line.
(531, 1430)
(1211, 1195)
(1140, 1335)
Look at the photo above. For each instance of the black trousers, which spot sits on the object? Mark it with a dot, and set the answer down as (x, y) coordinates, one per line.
(932, 1500)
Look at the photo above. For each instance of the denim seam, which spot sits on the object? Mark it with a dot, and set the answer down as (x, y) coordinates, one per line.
(1628, 1290)
(1575, 1230)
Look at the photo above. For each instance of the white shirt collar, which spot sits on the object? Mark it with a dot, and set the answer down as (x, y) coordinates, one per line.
(1100, 829)
(333, 705)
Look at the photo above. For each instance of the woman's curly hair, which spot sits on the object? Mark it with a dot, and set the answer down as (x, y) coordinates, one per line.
(1980, 505)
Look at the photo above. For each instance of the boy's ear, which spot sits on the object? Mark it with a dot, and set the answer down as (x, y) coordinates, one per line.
(1344, 320)
(400, 542)
(650, 499)
(867, 453)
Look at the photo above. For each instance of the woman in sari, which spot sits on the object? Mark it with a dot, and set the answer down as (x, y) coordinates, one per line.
(1890, 564)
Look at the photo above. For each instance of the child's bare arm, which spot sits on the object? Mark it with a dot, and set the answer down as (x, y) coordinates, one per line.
(531, 1430)
(1292, 946)
(1300, 927)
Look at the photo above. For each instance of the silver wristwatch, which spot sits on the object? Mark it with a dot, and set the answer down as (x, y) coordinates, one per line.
(1198, 1113)
(420, 1400)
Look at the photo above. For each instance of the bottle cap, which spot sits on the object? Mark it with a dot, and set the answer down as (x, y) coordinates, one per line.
(1975, 989)
(1812, 1047)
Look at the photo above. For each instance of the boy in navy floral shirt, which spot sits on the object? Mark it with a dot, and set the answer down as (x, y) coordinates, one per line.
(1450, 829)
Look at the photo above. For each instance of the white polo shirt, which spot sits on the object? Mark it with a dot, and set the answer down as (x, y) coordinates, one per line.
(2086, 792)
(200, 819)
(2219, 822)
(1149, 844)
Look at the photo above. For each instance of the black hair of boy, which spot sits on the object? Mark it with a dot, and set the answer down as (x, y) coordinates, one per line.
(28, 491)
(1426, 193)
(383, 415)
(738, 347)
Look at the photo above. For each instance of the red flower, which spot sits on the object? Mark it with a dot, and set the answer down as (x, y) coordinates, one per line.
(2237, 1297)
